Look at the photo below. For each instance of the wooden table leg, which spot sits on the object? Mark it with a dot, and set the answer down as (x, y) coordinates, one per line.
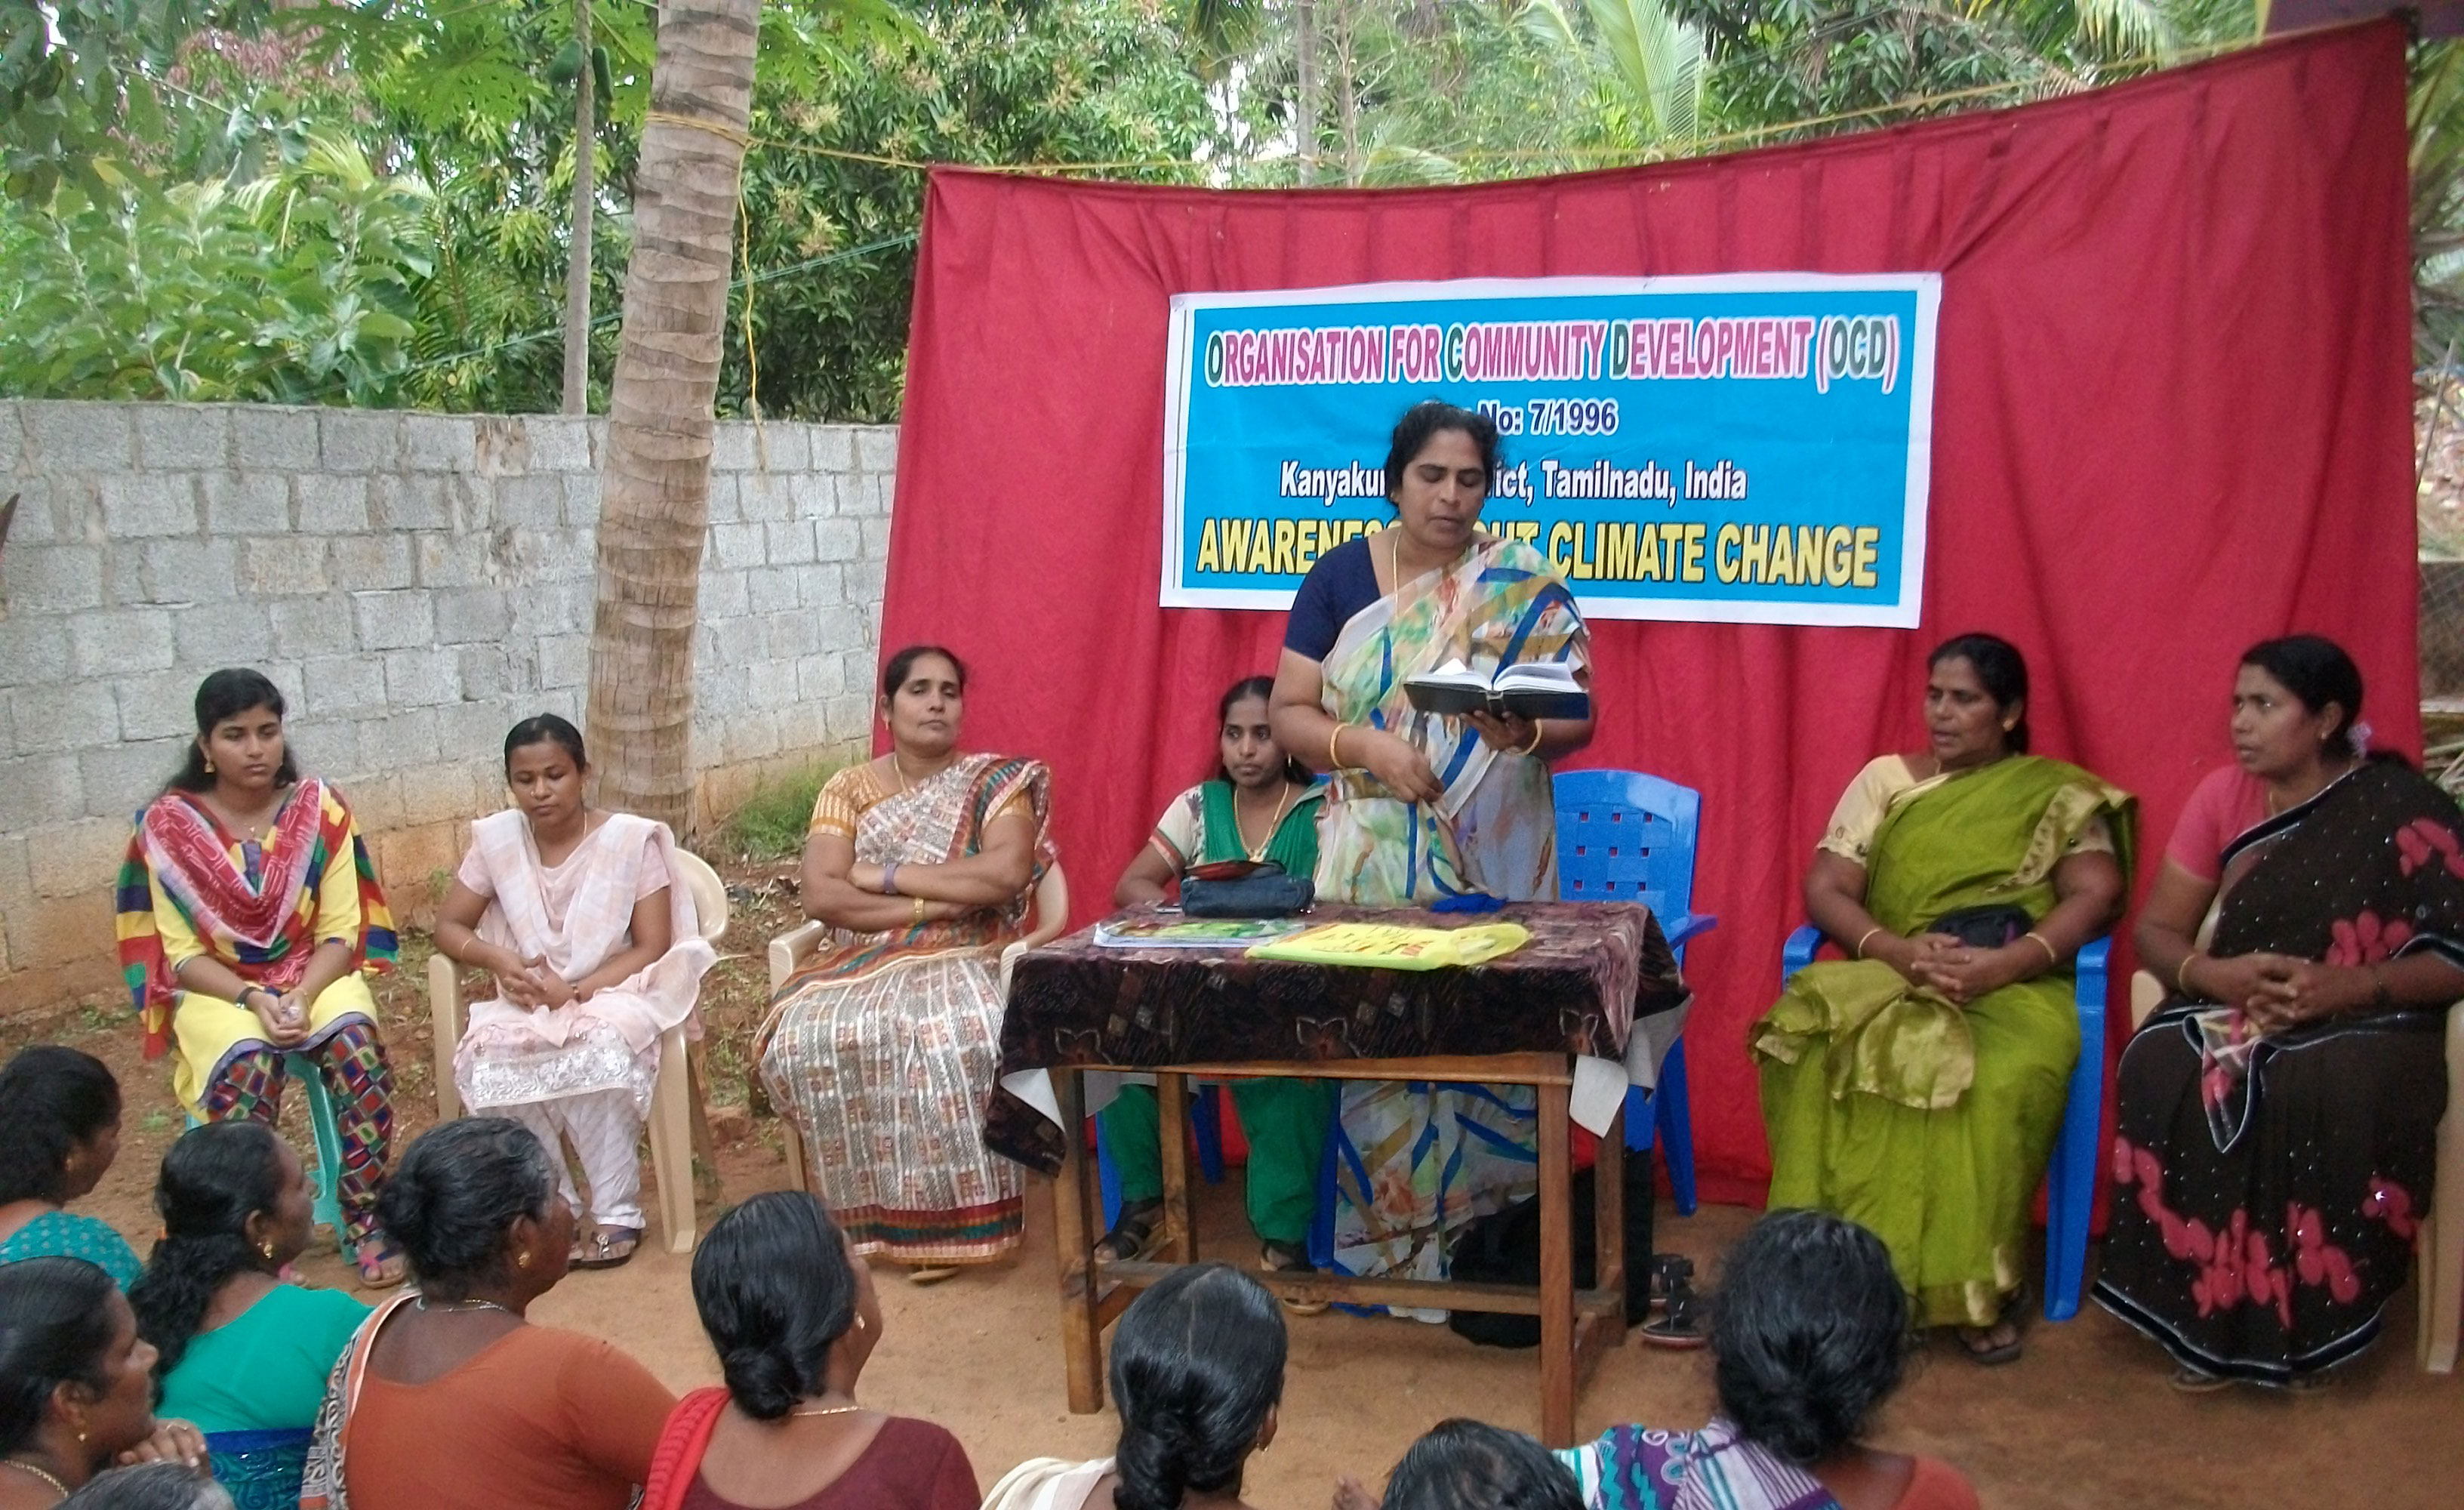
(1608, 1191)
(1556, 1271)
(1180, 1207)
(1073, 1234)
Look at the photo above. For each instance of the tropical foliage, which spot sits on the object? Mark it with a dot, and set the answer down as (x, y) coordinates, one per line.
(372, 203)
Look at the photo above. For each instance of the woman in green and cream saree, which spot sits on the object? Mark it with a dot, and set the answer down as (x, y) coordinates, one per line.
(1917, 1086)
(1422, 807)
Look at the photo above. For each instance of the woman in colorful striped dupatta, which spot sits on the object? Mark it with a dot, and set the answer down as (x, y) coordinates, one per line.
(882, 1048)
(1423, 807)
(248, 914)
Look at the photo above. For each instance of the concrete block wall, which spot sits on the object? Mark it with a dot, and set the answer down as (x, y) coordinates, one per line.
(415, 584)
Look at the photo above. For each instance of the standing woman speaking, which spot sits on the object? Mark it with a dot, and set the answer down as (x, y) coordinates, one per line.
(1423, 807)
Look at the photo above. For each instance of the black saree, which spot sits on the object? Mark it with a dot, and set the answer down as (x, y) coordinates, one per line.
(2267, 1190)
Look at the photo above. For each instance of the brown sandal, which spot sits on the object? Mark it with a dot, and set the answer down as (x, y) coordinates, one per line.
(606, 1248)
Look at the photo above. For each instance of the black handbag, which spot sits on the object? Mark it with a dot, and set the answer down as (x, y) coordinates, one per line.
(1265, 891)
(1987, 927)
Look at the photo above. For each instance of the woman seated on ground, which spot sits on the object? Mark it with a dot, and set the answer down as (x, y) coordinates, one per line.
(881, 1048)
(792, 1316)
(2276, 1117)
(1462, 1464)
(150, 1486)
(1917, 1086)
(59, 1132)
(1809, 1336)
(588, 926)
(247, 912)
(1198, 1376)
(1260, 804)
(240, 1353)
(77, 1384)
(448, 1399)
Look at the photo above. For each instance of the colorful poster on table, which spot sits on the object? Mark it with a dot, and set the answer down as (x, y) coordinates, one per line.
(1752, 448)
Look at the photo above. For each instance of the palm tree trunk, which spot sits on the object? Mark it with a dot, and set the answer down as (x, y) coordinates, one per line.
(577, 259)
(1304, 105)
(654, 512)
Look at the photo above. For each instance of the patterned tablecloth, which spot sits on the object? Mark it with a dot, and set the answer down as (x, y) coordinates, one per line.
(1590, 974)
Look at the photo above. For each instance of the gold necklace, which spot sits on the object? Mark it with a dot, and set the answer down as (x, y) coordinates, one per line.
(1260, 852)
(22, 1466)
(833, 1409)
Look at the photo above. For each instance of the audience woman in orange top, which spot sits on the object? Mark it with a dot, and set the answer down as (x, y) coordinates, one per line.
(881, 1049)
(448, 1398)
(247, 912)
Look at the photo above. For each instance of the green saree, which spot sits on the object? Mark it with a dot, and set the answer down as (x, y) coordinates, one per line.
(1889, 1104)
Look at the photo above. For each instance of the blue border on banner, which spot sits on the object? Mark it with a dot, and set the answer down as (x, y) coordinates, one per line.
(1750, 448)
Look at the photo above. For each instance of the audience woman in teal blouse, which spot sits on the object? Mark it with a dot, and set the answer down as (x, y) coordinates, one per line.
(59, 1131)
(242, 1354)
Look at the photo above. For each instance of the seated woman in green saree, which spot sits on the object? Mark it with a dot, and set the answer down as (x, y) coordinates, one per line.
(1917, 1087)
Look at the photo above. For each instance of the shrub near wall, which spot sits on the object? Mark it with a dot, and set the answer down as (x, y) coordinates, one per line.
(414, 584)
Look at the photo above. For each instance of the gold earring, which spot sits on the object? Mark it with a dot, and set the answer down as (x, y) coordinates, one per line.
(268, 1249)
(522, 1259)
(209, 768)
(859, 1324)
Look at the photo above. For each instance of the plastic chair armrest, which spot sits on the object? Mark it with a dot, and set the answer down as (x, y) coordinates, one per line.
(1798, 953)
(1679, 929)
(789, 949)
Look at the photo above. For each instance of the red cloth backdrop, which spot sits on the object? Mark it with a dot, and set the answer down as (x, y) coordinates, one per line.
(2173, 417)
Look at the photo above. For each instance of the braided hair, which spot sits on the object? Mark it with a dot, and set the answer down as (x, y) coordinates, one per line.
(214, 1180)
(1198, 1362)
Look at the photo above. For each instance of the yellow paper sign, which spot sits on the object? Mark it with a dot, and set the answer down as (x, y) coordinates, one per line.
(1395, 946)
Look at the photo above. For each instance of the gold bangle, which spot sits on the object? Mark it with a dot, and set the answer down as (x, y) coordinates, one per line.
(1859, 950)
(1333, 758)
(1536, 732)
(2053, 961)
(2181, 975)
(919, 912)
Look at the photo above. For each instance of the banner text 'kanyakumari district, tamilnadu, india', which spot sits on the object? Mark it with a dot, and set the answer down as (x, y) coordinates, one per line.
(1752, 448)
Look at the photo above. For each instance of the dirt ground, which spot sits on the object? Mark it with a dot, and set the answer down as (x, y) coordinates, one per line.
(2085, 1418)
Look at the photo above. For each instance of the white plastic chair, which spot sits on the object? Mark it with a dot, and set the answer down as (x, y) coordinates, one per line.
(672, 1097)
(2438, 1246)
(789, 950)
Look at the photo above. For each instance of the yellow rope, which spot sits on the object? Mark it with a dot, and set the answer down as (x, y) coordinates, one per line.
(752, 362)
(716, 129)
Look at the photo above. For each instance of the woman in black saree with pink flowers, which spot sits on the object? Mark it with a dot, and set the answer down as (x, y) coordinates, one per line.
(2277, 1115)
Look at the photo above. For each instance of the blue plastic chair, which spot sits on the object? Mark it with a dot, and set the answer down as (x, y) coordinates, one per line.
(2070, 1180)
(325, 1176)
(1625, 836)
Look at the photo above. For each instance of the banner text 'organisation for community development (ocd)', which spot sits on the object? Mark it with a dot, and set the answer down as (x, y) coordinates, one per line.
(1752, 448)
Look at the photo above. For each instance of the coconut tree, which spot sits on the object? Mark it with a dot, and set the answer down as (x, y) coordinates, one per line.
(654, 508)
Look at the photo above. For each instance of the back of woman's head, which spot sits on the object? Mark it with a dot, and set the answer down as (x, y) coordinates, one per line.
(775, 1289)
(1198, 1364)
(56, 1328)
(227, 694)
(1470, 1465)
(214, 1178)
(150, 1486)
(455, 1193)
(2316, 670)
(52, 1099)
(1809, 1333)
(2000, 670)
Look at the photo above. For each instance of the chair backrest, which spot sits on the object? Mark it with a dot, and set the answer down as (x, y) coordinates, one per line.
(1625, 836)
(708, 895)
(1051, 915)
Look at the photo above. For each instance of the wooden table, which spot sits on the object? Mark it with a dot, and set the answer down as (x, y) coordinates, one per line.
(1576, 1326)
(1595, 984)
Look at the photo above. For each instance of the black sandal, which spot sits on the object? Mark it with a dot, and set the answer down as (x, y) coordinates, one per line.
(1131, 1234)
(605, 1247)
(1976, 1342)
(1680, 1322)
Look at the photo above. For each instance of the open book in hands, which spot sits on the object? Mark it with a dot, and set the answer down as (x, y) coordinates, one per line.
(1544, 689)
